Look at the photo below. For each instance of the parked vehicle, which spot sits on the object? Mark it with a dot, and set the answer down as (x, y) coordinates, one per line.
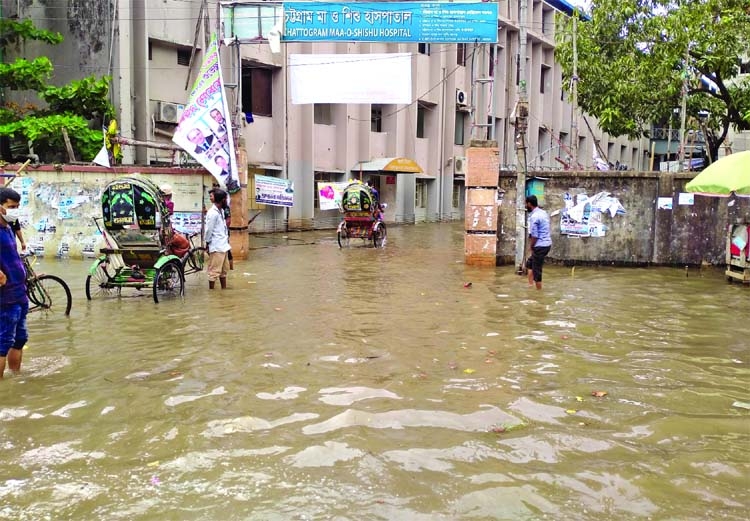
(137, 231)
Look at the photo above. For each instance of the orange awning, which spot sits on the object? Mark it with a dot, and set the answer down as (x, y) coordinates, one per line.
(396, 165)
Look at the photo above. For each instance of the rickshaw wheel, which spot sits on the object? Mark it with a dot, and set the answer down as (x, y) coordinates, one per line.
(343, 237)
(169, 281)
(98, 284)
(379, 235)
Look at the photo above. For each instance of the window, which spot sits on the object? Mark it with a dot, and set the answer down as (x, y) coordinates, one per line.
(460, 128)
(745, 67)
(492, 61)
(150, 51)
(548, 22)
(562, 90)
(420, 194)
(456, 196)
(518, 68)
(544, 78)
(322, 114)
(255, 21)
(183, 56)
(376, 118)
(424, 48)
(256, 91)
(461, 54)
(421, 114)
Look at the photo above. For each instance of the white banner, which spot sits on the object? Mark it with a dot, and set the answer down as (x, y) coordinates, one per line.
(205, 131)
(274, 191)
(329, 195)
(350, 78)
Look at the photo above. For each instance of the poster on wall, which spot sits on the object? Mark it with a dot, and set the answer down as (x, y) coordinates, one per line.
(664, 203)
(329, 195)
(583, 215)
(686, 198)
(274, 191)
(188, 223)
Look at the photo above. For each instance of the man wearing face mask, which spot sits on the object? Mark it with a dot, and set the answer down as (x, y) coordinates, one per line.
(14, 305)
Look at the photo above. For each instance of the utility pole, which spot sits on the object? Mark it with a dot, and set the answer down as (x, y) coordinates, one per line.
(522, 122)
(574, 95)
(140, 79)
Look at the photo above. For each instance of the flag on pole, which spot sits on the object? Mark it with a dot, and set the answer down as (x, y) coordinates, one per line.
(102, 157)
(205, 130)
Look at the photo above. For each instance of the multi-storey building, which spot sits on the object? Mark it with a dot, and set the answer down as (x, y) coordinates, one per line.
(460, 92)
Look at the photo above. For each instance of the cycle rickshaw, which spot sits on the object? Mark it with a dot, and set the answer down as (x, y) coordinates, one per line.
(362, 216)
(137, 230)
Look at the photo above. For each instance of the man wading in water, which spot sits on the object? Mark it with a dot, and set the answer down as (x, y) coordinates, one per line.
(540, 241)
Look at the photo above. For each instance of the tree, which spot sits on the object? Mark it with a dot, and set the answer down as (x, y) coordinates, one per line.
(634, 54)
(79, 107)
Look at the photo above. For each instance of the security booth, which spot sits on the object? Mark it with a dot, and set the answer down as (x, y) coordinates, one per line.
(395, 179)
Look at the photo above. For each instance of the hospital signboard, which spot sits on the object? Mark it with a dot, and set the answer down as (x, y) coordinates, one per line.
(403, 22)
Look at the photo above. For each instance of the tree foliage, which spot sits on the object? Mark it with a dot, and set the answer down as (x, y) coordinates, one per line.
(79, 107)
(634, 54)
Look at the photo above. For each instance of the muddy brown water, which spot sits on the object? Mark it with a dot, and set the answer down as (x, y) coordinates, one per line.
(371, 384)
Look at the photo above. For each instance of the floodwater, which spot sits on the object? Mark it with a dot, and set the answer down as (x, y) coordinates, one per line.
(371, 384)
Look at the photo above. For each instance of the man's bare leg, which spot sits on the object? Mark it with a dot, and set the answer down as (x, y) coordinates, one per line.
(14, 360)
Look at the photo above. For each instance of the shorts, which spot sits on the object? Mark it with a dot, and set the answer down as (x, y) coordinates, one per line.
(218, 265)
(13, 331)
(536, 261)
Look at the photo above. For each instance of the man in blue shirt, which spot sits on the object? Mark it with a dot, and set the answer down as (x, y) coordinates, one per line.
(540, 240)
(14, 304)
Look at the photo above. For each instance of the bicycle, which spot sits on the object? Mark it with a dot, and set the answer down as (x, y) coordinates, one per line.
(48, 293)
(195, 259)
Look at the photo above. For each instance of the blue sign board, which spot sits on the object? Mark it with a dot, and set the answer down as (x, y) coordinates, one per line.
(430, 22)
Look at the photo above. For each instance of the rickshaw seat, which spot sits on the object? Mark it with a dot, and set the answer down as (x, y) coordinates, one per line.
(142, 257)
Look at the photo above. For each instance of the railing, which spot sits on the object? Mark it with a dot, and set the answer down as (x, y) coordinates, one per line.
(663, 134)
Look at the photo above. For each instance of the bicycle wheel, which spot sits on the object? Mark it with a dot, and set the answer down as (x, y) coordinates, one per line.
(379, 235)
(99, 284)
(169, 281)
(51, 294)
(197, 259)
(343, 237)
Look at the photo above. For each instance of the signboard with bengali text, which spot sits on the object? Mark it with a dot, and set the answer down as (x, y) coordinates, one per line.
(424, 22)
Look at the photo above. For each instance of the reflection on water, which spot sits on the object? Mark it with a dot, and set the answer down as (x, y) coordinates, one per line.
(369, 384)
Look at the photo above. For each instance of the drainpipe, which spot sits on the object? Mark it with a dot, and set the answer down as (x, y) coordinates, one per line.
(141, 100)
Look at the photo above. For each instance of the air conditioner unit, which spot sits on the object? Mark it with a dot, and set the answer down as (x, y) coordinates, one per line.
(169, 112)
(459, 165)
(461, 99)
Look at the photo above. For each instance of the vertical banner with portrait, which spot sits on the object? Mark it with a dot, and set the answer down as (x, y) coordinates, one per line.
(205, 130)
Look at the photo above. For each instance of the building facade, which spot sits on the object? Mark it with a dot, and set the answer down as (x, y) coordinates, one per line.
(460, 92)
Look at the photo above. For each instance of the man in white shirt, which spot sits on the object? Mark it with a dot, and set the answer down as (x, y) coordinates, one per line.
(217, 241)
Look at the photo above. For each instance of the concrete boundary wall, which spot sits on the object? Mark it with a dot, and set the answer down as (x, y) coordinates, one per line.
(683, 235)
(59, 203)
